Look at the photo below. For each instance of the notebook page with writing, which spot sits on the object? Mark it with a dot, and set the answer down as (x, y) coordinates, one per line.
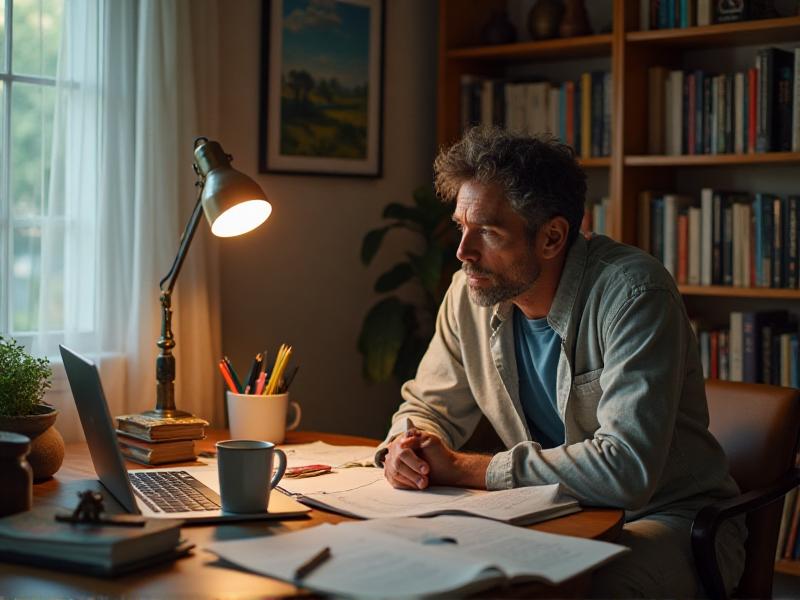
(363, 563)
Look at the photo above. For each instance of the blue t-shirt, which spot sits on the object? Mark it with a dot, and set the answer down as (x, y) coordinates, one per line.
(537, 347)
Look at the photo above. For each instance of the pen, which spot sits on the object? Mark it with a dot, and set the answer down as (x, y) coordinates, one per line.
(288, 381)
(253, 374)
(408, 426)
(312, 563)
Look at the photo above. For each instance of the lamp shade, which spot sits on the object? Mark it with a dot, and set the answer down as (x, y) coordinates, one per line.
(232, 202)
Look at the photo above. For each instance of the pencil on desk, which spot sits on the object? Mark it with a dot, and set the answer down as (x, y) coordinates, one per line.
(312, 563)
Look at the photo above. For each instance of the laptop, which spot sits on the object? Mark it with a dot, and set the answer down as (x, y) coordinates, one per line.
(188, 493)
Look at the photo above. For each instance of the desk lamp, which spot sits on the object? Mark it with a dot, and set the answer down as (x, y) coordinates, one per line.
(233, 204)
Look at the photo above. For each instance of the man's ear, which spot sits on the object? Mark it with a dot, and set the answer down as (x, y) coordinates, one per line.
(553, 237)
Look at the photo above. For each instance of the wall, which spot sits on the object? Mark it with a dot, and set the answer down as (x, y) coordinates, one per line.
(298, 279)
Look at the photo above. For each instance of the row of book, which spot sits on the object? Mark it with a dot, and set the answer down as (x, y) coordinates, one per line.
(596, 217)
(696, 112)
(725, 238)
(154, 441)
(668, 14)
(577, 112)
(756, 347)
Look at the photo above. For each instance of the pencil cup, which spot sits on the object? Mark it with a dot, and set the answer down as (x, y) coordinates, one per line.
(253, 417)
(245, 474)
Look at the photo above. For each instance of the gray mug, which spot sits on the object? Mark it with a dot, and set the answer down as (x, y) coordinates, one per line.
(244, 468)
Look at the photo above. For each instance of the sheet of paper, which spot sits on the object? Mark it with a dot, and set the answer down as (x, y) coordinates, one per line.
(517, 551)
(359, 497)
(338, 481)
(298, 455)
(363, 563)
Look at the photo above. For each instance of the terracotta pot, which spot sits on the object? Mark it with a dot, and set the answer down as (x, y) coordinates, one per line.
(47, 445)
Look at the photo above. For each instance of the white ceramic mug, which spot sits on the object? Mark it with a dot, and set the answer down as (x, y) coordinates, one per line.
(246, 476)
(254, 417)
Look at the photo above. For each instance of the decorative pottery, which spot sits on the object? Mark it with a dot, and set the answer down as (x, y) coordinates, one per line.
(47, 445)
(575, 20)
(498, 29)
(545, 18)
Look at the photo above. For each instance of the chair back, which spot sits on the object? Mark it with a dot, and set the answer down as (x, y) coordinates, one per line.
(758, 428)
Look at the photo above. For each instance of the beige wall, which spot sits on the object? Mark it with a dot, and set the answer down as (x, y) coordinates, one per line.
(298, 279)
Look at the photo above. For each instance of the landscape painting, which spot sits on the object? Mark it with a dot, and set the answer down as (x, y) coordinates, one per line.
(322, 87)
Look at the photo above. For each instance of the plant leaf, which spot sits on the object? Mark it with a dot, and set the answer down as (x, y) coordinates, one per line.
(382, 335)
(372, 242)
(401, 212)
(428, 267)
(394, 277)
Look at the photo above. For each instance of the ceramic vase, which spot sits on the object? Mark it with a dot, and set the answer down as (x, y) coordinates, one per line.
(47, 445)
(545, 18)
(575, 20)
(499, 30)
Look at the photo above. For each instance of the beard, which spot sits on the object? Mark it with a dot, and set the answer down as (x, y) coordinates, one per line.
(503, 286)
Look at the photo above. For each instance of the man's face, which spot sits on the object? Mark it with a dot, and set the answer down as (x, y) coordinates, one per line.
(496, 251)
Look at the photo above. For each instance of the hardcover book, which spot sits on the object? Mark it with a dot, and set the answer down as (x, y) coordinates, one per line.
(35, 537)
(153, 429)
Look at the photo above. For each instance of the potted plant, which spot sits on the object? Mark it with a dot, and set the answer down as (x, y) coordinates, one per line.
(396, 331)
(23, 383)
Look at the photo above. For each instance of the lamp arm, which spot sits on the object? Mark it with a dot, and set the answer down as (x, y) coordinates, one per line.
(165, 361)
(186, 240)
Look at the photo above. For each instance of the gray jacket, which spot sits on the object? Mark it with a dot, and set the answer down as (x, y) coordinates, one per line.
(629, 387)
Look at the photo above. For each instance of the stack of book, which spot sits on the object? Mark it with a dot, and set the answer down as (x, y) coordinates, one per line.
(697, 112)
(788, 546)
(669, 14)
(725, 238)
(156, 441)
(576, 112)
(756, 347)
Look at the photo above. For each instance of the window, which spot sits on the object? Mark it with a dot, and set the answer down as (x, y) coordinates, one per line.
(29, 43)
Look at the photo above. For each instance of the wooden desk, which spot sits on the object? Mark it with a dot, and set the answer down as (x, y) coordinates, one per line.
(203, 575)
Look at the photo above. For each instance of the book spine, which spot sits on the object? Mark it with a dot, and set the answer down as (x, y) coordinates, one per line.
(765, 99)
(784, 73)
(586, 115)
(597, 113)
(724, 355)
(777, 245)
(729, 102)
(704, 12)
(699, 80)
(727, 242)
(695, 219)
(683, 248)
(736, 347)
(676, 88)
(687, 115)
(739, 114)
(656, 110)
(714, 353)
(657, 227)
(670, 234)
(749, 348)
(706, 240)
(705, 352)
(792, 239)
(708, 113)
(569, 87)
(578, 105)
(716, 239)
(608, 87)
(736, 241)
(643, 234)
(752, 109)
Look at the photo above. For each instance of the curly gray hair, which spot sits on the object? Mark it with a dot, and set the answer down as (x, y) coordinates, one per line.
(540, 176)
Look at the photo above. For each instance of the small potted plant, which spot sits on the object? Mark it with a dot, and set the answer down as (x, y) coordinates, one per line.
(23, 383)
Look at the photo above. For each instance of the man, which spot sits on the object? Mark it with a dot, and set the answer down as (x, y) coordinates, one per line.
(580, 355)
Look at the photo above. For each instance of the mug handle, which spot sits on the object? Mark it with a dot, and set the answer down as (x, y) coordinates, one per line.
(298, 413)
(281, 468)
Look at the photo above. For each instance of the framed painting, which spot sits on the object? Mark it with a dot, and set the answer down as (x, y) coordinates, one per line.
(322, 87)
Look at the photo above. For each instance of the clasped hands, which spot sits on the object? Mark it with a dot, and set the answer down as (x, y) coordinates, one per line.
(418, 459)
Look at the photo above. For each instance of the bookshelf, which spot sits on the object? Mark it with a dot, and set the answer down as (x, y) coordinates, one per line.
(630, 169)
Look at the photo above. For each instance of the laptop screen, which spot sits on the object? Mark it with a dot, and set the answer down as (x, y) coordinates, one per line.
(84, 380)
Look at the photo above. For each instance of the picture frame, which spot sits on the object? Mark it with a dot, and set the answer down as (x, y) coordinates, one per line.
(321, 100)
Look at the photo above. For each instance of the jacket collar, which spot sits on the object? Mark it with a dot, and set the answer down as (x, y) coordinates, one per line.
(568, 285)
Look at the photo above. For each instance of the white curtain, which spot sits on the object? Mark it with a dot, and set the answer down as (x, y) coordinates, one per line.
(122, 188)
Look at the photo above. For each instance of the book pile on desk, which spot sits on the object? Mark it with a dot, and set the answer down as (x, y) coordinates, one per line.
(35, 537)
(156, 441)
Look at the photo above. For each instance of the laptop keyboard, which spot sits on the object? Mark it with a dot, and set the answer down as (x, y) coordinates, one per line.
(173, 491)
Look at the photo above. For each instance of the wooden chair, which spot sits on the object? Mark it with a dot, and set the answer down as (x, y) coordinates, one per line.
(758, 427)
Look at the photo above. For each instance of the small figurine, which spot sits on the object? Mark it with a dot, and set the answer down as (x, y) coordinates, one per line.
(90, 509)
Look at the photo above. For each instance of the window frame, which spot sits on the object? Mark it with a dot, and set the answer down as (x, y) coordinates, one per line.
(7, 225)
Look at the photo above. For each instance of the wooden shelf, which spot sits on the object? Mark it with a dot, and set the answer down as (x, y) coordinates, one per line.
(547, 50)
(788, 567)
(767, 31)
(703, 160)
(596, 162)
(739, 292)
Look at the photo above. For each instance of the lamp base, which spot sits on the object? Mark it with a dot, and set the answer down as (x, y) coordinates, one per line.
(157, 413)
